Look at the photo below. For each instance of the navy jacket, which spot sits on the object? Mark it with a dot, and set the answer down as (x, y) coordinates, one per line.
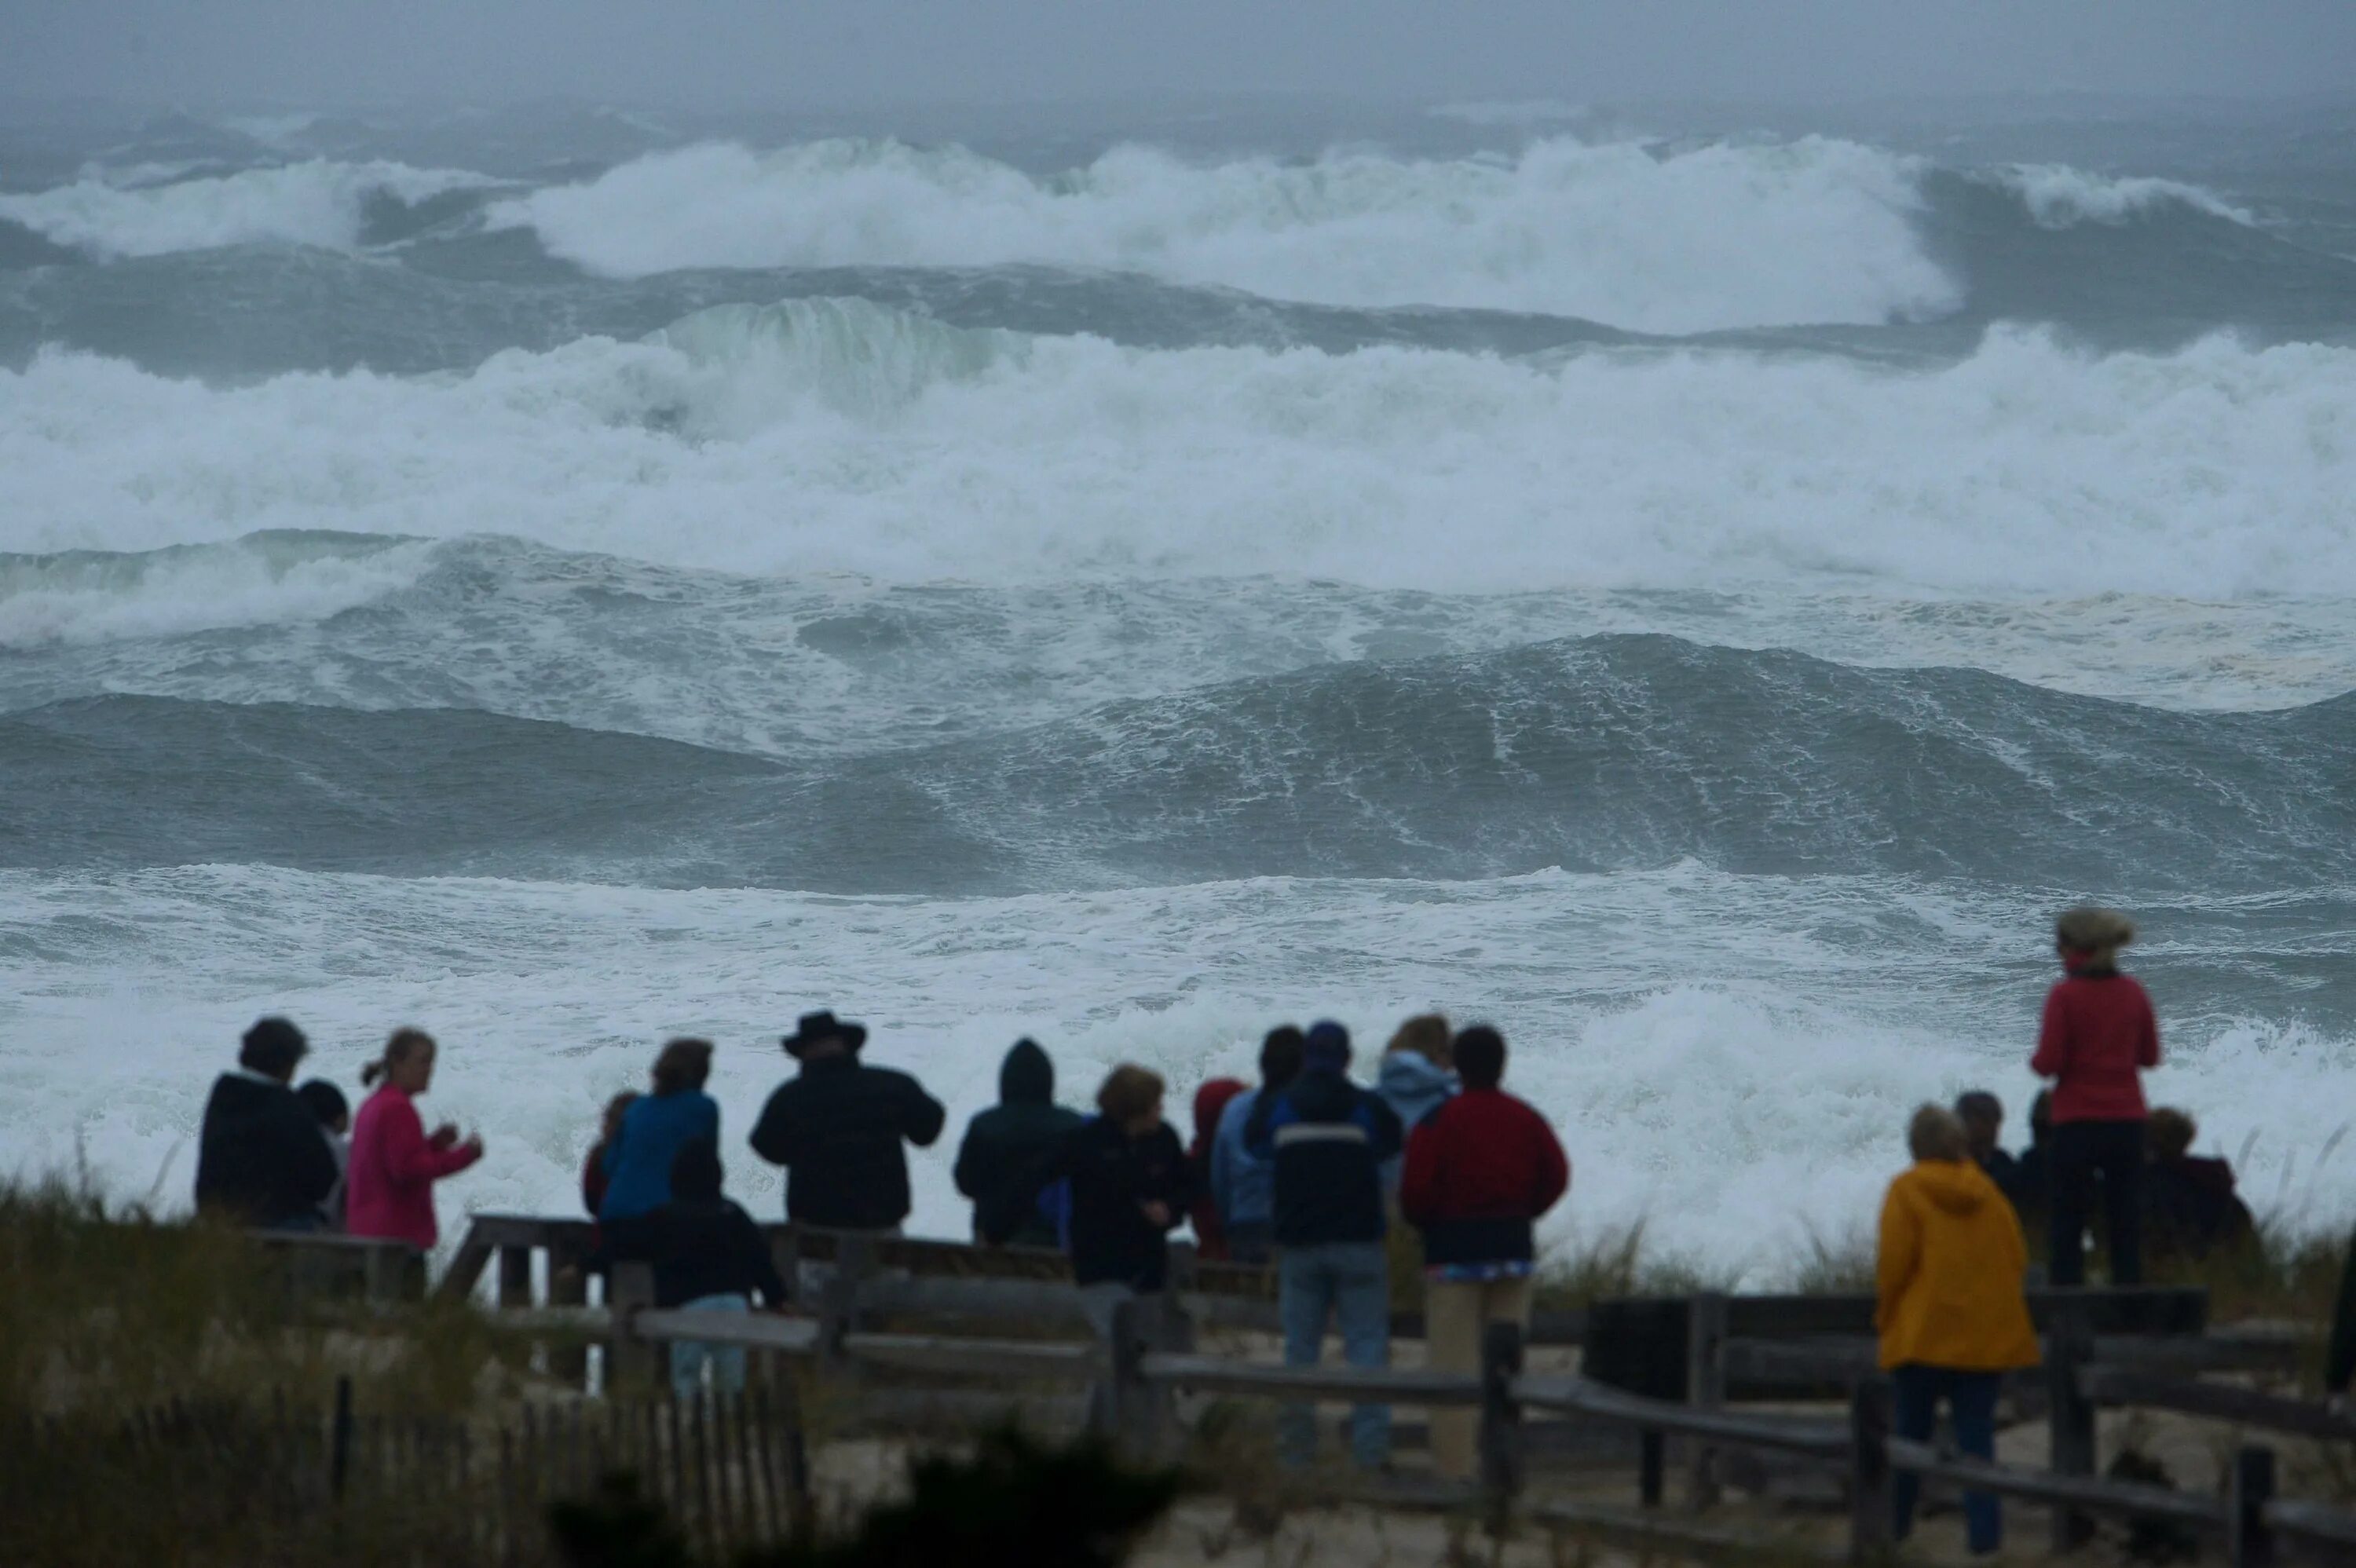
(838, 1128)
(263, 1157)
(1329, 1139)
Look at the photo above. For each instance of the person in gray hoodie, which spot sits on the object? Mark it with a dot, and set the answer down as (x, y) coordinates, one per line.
(1417, 1076)
(1006, 1144)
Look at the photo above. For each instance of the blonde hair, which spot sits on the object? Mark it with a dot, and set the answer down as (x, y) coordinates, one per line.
(1425, 1034)
(1128, 1092)
(1935, 1134)
(405, 1042)
(2096, 931)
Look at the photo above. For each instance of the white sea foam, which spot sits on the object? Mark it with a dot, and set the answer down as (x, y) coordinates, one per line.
(2026, 469)
(2059, 197)
(318, 203)
(1734, 1113)
(47, 601)
(1718, 236)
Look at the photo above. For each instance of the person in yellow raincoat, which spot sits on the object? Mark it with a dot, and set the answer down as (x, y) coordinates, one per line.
(1952, 1315)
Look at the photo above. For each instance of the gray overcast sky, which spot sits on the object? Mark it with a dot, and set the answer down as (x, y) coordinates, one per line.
(785, 53)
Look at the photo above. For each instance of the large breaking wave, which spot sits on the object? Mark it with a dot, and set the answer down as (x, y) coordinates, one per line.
(1718, 236)
(841, 436)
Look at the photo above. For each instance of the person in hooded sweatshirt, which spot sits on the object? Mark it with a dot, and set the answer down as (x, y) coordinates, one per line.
(261, 1159)
(1329, 1139)
(707, 1256)
(2189, 1206)
(674, 1113)
(2097, 1037)
(1952, 1311)
(1480, 1170)
(840, 1127)
(1243, 1185)
(1006, 1143)
(1211, 1102)
(1416, 1077)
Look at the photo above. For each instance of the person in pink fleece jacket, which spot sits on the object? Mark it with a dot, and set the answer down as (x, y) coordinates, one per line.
(388, 1189)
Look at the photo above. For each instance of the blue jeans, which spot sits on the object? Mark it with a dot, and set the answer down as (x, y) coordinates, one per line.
(1971, 1398)
(1349, 1282)
(688, 1357)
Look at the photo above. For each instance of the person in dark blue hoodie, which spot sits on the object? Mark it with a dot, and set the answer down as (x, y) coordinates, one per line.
(656, 1128)
(1006, 1143)
(1329, 1139)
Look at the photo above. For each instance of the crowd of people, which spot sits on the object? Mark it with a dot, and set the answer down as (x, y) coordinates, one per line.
(1308, 1170)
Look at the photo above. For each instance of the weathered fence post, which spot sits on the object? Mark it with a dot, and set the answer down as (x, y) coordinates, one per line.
(1652, 1467)
(1124, 1410)
(1872, 1514)
(515, 1277)
(2069, 1345)
(2252, 1544)
(339, 1441)
(1501, 1423)
(838, 1311)
(568, 1285)
(785, 1252)
(629, 1360)
(1704, 1385)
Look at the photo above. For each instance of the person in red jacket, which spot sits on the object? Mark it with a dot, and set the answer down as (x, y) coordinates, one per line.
(1480, 1170)
(389, 1191)
(593, 1179)
(1210, 1104)
(2097, 1037)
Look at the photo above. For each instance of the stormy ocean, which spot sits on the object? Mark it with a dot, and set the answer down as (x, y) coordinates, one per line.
(1700, 589)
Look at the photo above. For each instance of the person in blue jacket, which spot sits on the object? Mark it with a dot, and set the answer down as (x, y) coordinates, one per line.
(1329, 1139)
(1417, 1076)
(677, 1112)
(1243, 1185)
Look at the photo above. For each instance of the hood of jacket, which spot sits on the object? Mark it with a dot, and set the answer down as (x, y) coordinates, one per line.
(244, 1103)
(1954, 1187)
(1210, 1104)
(1026, 1077)
(1411, 1083)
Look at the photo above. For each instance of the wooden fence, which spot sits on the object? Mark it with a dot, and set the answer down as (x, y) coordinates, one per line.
(1653, 1372)
(332, 1484)
(1135, 1376)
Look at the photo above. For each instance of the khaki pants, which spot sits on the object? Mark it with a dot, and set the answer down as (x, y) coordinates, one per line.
(1455, 1317)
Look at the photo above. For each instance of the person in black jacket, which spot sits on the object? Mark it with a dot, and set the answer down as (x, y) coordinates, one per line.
(1329, 1140)
(1006, 1143)
(1131, 1187)
(838, 1127)
(707, 1256)
(260, 1158)
(1982, 1115)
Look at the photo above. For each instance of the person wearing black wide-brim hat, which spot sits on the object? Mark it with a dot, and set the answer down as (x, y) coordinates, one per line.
(838, 1127)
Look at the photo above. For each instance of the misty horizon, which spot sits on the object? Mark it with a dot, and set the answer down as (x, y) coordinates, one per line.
(730, 57)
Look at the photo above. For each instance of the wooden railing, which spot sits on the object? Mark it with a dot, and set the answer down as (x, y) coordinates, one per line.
(1134, 1379)
(888, 1275)
(1702, 1355)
